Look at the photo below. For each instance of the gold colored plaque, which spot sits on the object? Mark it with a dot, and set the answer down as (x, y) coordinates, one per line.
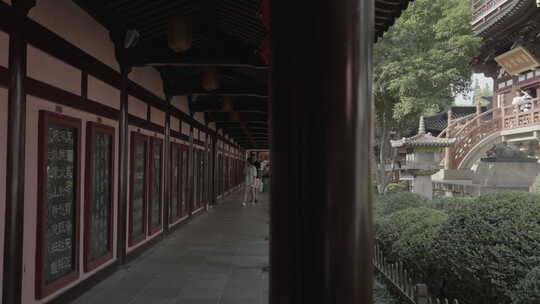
(517, 61)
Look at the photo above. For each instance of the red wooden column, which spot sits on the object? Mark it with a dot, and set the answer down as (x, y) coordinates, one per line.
(448, 150)
(167, 169)
(14, 221)
(123, 132)
(213, 186)
(191, 173)
(321, 216)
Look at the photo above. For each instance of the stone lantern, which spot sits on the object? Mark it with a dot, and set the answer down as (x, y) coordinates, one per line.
(423, 157)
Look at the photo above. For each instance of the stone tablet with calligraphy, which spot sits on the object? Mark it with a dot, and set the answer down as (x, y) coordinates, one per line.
(59, 257)
(138, 192)
(173, 206)
(156, 185)
(184, 184)
(101, 205)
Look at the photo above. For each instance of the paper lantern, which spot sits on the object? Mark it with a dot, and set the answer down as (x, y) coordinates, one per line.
(180, 33)
(227, 104)
(210, 79)
(235, 116)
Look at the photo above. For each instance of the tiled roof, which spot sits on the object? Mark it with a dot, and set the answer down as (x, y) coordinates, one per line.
(502, 17)
(422, 139)
(439, 122)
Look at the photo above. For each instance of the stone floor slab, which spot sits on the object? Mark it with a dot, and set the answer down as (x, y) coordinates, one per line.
(217, 258)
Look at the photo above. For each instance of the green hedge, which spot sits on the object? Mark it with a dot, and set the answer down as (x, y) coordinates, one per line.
(528, 289)
(396, 188)
(485, 248)
(391, 202)
(450, 203)
(481, 250)
(408, 236)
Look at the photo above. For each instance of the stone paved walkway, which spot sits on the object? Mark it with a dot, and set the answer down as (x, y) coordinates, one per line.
(215, 259)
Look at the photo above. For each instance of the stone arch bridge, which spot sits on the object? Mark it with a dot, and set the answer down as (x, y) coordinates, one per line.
(476, 133)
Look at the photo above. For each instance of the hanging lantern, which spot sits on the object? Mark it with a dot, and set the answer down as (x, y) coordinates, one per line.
(235, 116)
(180, 33)
(227, 104)
(210, 79)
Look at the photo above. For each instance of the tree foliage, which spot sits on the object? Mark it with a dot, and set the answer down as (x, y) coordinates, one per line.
(420, 64)
(423, 61)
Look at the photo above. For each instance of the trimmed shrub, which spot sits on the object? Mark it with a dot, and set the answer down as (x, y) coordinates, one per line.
(408, 236)
(450, 203)
(392, 202)
(396, 188)
(528, 289)
(487, 247)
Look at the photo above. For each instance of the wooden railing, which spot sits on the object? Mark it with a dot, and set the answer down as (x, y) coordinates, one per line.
(397, 277)
(472, 129)
(523, 114)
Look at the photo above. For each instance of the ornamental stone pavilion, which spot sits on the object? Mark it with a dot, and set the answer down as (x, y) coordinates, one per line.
(423, 157)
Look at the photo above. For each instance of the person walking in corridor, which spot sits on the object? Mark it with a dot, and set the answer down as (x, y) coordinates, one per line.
(250, 182)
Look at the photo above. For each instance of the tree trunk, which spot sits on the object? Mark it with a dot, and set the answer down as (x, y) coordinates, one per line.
(383, 142)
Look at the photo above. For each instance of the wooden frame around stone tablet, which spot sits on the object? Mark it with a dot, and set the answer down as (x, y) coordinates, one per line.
(42, 288)
(138, 138)
(179, 180)
(152, 175)
(195, 177)
(202, 176)
(91, 129)
(184, 184)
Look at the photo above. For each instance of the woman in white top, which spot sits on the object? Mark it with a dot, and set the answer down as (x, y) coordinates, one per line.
(250, 183)
(520, 97)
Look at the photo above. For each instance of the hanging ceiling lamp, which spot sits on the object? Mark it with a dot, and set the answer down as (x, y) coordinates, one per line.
(180, 33)
(210, 79)
(227, 104)
(235, 116)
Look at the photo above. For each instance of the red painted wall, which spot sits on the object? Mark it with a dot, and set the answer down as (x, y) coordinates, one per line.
(74, 25)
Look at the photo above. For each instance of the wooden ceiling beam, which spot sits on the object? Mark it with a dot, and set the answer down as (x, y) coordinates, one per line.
(246, 131)
(226, 52)
(209, 104)
(243, 117)
(198, 90)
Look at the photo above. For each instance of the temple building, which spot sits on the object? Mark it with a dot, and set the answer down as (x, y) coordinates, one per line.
(510, 54)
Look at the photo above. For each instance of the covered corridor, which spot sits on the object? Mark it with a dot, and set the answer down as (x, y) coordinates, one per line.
(123, 122)
(220, 257)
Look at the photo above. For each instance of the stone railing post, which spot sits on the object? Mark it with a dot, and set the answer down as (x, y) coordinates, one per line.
(478, 112)
(421, 295)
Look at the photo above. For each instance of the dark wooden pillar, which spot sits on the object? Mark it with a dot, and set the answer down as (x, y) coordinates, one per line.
(321, 228)
(14, 221)
(207, 168)
(191, 173)
(123, 160)
(213, 200)
(167, 169)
